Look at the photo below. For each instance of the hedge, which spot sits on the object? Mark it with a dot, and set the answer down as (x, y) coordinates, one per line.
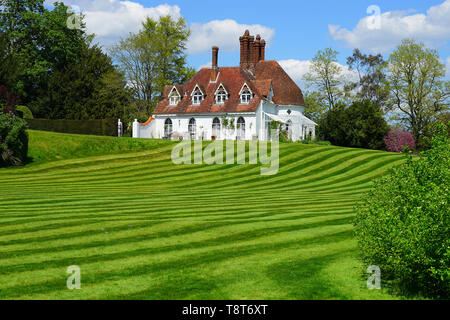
(100, 127)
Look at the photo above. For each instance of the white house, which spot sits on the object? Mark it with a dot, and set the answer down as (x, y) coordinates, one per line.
(236, 103)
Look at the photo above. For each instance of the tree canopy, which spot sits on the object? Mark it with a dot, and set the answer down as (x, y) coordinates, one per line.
(154, 57)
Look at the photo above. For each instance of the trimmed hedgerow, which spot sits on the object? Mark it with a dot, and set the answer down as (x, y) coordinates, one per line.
(101, 127)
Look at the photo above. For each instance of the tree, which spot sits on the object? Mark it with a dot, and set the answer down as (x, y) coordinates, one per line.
(361, 125)
(370, 77)
(418, 92)
(40, 39)
(91, 88)
(153, 58)
(9, 64)
(325, 76)
(59, 73)
(314, 108)
(402, 224)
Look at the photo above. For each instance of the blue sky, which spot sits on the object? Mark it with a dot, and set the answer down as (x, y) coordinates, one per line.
(295, 30)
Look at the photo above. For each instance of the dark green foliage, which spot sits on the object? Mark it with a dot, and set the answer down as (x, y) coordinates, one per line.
(55, 70)
(13, 140)
(101, 127)
(402, 224)
(90, 88)
(361, 125)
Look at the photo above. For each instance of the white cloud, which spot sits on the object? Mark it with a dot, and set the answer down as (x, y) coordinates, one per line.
(224, 34)
(206, 65)
(433, 28)
(296, 69)
(112, 19)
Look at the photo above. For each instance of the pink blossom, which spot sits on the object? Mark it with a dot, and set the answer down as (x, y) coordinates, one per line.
(397, 140)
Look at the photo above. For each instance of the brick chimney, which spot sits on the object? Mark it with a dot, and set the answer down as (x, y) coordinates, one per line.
(215, 66)
(262, 55)
(252, 51)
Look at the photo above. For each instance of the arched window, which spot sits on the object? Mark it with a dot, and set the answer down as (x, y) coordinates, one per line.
(174, 97)
(241, 129)
(246, 95)
(168, 128)
(216, 128)
(192, 128)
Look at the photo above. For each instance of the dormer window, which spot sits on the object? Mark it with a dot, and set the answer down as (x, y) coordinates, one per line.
(246, 94)
(221, 95)
(174, 97)
(197, 96)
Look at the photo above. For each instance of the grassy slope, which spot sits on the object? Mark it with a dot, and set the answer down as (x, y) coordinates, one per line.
(142, 228)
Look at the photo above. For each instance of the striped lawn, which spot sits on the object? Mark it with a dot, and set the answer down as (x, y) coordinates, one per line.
(141, 227)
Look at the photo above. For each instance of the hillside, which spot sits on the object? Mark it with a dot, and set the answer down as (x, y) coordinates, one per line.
(141, 227)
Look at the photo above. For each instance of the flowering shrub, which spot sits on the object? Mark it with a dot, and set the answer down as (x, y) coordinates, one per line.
(397, 140)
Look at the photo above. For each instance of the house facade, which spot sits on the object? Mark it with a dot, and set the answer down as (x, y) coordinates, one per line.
(231, 103)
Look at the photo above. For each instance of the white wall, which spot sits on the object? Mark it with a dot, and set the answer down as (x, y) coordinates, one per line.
(254, 124)
(180, 126)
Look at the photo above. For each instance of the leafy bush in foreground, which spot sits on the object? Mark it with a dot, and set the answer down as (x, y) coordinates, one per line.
(402, 225)
(13, 140)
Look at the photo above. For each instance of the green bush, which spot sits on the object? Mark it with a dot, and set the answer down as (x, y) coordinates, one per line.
(26, 113)
(361, 125)
(402, 224)
(13, 140)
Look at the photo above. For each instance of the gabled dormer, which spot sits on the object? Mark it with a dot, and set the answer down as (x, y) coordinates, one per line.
(174, 96)
(246, 94)
(197, 95)
(221, 95)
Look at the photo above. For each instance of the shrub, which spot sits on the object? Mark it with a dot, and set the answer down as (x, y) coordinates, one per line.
(361, 125)
(397, 140)
(25, 112)
(402, 224)
(13, 140)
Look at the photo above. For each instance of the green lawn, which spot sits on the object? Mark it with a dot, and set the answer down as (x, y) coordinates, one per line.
(141, 227)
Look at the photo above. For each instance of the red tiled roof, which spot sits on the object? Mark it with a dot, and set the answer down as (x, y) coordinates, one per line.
(268, 73)
(263, 86)
(285, 90)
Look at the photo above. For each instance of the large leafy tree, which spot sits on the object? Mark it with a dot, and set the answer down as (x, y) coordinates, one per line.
(360, 125)
(325, 77)
(61, 74)
(86, 89)
(370, 77)
(418, 92)
(153, 58)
